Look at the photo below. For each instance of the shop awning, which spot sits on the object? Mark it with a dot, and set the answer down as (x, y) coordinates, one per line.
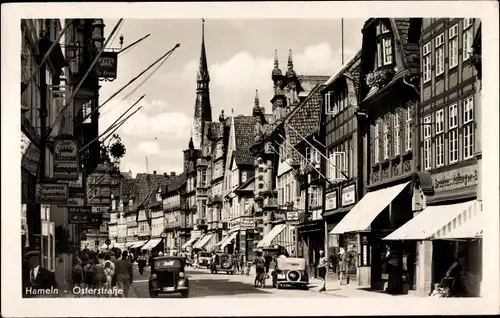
(190, 242)
(203, 241)
(138, 244)
(129, 244)
(471, 229)
(151, 244)
(367, 209)
(435, 221)
(227, 240)
(268, 239)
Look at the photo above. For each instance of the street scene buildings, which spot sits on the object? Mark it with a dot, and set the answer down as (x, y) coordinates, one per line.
(370, 174)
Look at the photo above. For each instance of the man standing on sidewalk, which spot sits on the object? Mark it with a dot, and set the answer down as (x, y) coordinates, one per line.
(124, 273)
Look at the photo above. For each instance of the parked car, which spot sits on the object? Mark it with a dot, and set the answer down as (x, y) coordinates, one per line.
(290, 271)
(204, 258)
(168, 276)
(223, 263)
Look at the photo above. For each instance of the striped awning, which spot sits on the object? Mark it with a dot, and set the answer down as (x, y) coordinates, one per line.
(268, 240)
(203, 241)
(138, 244)
(151, 244)
(190, 242)
(471, 229)
(436, 221)
(227, 240)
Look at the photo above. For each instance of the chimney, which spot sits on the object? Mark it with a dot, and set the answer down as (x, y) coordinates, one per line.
(154, 172)
(172, 174)
(165, 174)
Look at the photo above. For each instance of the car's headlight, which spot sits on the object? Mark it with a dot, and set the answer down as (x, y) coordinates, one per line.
(181, 274)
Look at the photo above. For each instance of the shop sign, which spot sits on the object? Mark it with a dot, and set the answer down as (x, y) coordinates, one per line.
(79, 215)
(51, 193)
(30, 155)
(74, 183)
(349, 195)
(456, 178)
(247, 222)
(75, 197)
(234, 223)
(66, 158)
(106, 66)
(100, 209)
(292, 217)
(331, 201)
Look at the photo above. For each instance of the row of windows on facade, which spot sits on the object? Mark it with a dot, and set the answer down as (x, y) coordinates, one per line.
(439, 48)
(402, 126)
(446, 124)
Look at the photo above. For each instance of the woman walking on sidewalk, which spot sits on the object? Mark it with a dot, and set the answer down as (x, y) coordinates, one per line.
(322, 268)
(342, 259)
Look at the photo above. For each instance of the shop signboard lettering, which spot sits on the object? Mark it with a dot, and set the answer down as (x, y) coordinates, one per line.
(30, 155)
(51, 193)
(457, 178)
(107, 65)
(79, 215)
(349, 195)
(247, 222)
(292, 217)
(74, 183)
(234, 223)
(66, 158)
(100, 209)
(75, 197)
(331, 201)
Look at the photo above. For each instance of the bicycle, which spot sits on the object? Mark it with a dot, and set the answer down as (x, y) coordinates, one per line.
(260, 281)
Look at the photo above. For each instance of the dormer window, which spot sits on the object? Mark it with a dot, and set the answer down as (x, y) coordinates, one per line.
(384, 45)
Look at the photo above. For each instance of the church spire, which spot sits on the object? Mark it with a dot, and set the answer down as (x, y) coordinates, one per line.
(203, 67)
(256, 102)
(290, 72)
(202, 108)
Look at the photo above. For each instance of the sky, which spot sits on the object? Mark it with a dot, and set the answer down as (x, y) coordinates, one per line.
(240, 55)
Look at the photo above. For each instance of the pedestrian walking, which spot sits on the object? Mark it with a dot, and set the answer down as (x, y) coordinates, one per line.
(322, 269)
(77, 273)
(342, 259)
(109, 273)
(124, 274)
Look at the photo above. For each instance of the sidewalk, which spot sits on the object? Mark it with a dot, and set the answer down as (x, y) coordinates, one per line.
(352, 290)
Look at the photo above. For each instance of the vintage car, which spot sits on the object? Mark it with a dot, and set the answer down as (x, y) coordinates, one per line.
(168, 276)
(290, 271)
(204, 259)
(223, 263)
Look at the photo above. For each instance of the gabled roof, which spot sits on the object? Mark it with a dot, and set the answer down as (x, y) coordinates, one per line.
(147, 185)
(344, 69)
(176, 183)
(305, 118)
